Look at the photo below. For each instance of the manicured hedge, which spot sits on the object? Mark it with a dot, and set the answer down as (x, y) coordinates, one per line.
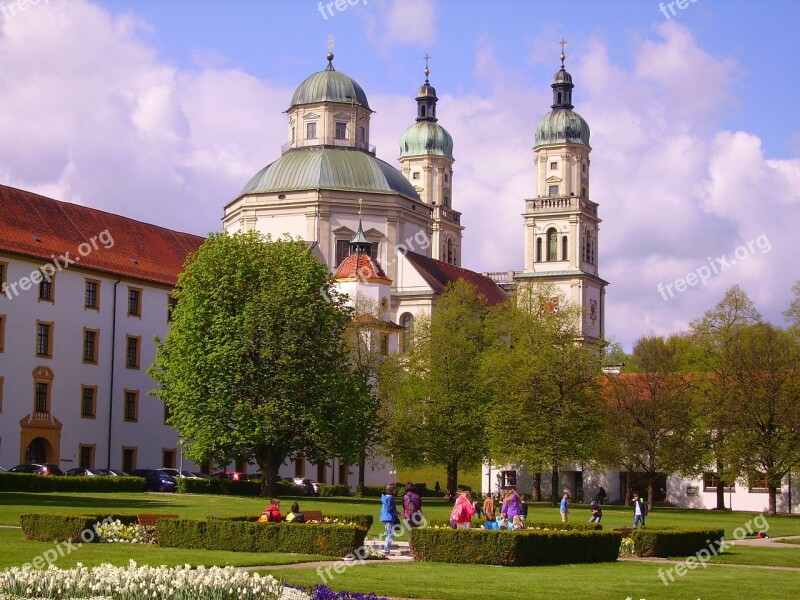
(51, 527)
(233, 488)
(535, 525)
(364, 521)
(334, 490)
(514, 548)
(677, 541)
(368, 491)
(28, 482)
(220, 534)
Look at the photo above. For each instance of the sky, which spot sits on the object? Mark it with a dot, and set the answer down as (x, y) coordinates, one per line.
(162, 110)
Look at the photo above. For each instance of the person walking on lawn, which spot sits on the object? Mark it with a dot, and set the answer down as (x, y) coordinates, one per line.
(488, 505)
(389, 515)
(639, 510)
(412, 507)
(463, 510)
(564, 509)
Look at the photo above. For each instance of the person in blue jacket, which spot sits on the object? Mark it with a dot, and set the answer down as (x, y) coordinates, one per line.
(389, 515)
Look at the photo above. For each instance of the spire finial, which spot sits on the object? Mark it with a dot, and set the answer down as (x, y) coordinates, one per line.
(562, 43)
(329, 56)
(426, 58)
(359, 206)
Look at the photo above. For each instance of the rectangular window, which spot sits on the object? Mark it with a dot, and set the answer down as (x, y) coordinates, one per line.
(128, 459)
(2, 332)
(446, 178)
(385, 344)
(3, 277)
(132, 351)
(46, 287)
(342, 251)
(322, 473)
(86, 459)
(757, 482)
(88, 401)
(311, 131)
(553, 191)
(583, 192)
(300, 466)
(240, 465)
(44, 339)
(42, 394)
(131, 408)
(415, 175)
(344, 473)
(92, 294)
(134, 302)
(340, 131)
(168, 458)
(172, 302)
(2, 381)
(711, 481)
(90, 345)
(362, 134)
(553, 166)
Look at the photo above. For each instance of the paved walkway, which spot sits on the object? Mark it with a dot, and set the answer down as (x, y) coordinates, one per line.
(770, 542)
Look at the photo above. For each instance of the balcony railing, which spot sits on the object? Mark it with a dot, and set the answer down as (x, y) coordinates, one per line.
(501, 277)
(328, 141)
(562, 203)
(448, 214)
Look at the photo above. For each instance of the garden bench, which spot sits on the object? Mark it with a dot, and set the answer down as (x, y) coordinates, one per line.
(313, 515)
(150, 520)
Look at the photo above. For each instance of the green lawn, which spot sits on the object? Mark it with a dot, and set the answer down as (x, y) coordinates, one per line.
(756, 555)
(619, 580)
(793, 541)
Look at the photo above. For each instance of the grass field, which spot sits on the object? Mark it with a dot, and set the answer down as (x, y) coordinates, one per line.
(737, 574)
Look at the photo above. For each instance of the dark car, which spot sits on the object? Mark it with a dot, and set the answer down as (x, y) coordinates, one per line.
(156, 480)
(232, 475)
(37, 469)
(112, 472)
(85, 472)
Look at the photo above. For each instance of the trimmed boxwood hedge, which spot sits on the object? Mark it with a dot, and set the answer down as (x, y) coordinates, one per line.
(334, 490)
(53, 527)
(242, 536)
(29, 482)
(677, 541)
(364, 521)
(514, 548)
(554, 525)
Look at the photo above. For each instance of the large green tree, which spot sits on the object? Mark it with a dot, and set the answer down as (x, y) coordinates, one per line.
(435, 403)
(545, 384)
(255, 364)
(711, 363)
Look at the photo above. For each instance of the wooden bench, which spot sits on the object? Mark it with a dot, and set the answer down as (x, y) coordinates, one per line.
(312, 515)
(150, 520)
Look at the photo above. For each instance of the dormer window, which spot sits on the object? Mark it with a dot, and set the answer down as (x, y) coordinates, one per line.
(340, 132)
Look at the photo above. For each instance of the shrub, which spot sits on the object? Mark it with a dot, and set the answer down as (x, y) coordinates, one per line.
(233, 488)
(529, 525)
(334, 490)
(54, 527)
(368, 491)
(678, 541)
(242, 536)
(28, 482)
(364, 521)
(514, 548)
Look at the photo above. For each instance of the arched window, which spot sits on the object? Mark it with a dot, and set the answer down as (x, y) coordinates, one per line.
(451, 251)
(564, 248)
(422, 111)
(407, 322)
(552, 244)
(538, 249)
(589, 247)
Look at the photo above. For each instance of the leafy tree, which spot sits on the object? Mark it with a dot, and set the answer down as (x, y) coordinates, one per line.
(649, 422)
(255, 364)
(766, 381)
(710, 361)
(792, 314)
(434, 401)
(545, 384)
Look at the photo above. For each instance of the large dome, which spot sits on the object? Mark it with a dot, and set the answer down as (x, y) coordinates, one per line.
(330, 169)
(329, 86)
(426, 137)
(561, 126)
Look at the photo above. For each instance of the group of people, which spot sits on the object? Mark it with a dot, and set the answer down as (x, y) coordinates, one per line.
(272, 514)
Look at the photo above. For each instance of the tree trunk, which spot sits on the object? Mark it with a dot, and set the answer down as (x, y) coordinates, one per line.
(773, 493)
(536, 492)
(555, 495)
(651, 492)
(720, 488)
(362, 468)
(270, 463)
(452, 476)
(628, 488)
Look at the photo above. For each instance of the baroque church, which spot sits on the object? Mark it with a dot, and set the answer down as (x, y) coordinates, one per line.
(391, 234)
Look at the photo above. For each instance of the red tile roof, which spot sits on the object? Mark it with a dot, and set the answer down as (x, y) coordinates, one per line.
(40, 227)
(361, 267)
(438, 274)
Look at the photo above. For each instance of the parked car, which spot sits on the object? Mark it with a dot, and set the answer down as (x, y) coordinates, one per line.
(85, 472)
(200, 475)
(176, 474)
(304, 486)
(232, 475)
(156, 480)
(37, 469)
(113, 472)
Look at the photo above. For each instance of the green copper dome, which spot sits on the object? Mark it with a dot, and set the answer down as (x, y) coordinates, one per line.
(426, 137)
(323, 168)
(561, 126)
(329, 86)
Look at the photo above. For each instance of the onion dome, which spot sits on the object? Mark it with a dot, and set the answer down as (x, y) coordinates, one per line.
(330, 85)
(426, 136)
(562, 125)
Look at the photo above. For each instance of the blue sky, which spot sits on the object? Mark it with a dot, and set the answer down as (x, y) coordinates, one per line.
(161, 110)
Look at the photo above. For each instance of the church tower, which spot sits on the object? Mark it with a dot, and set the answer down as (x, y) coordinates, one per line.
(426, 159)
(561, 222)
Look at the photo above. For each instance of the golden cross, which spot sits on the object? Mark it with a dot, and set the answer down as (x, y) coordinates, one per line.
(359, 206)
(426, 58)
(331, 42)
(562, 43)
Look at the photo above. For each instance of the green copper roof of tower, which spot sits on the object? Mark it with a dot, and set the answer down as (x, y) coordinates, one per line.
(561, 126)
(330, 169)
(426, 137)
(329, 86)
